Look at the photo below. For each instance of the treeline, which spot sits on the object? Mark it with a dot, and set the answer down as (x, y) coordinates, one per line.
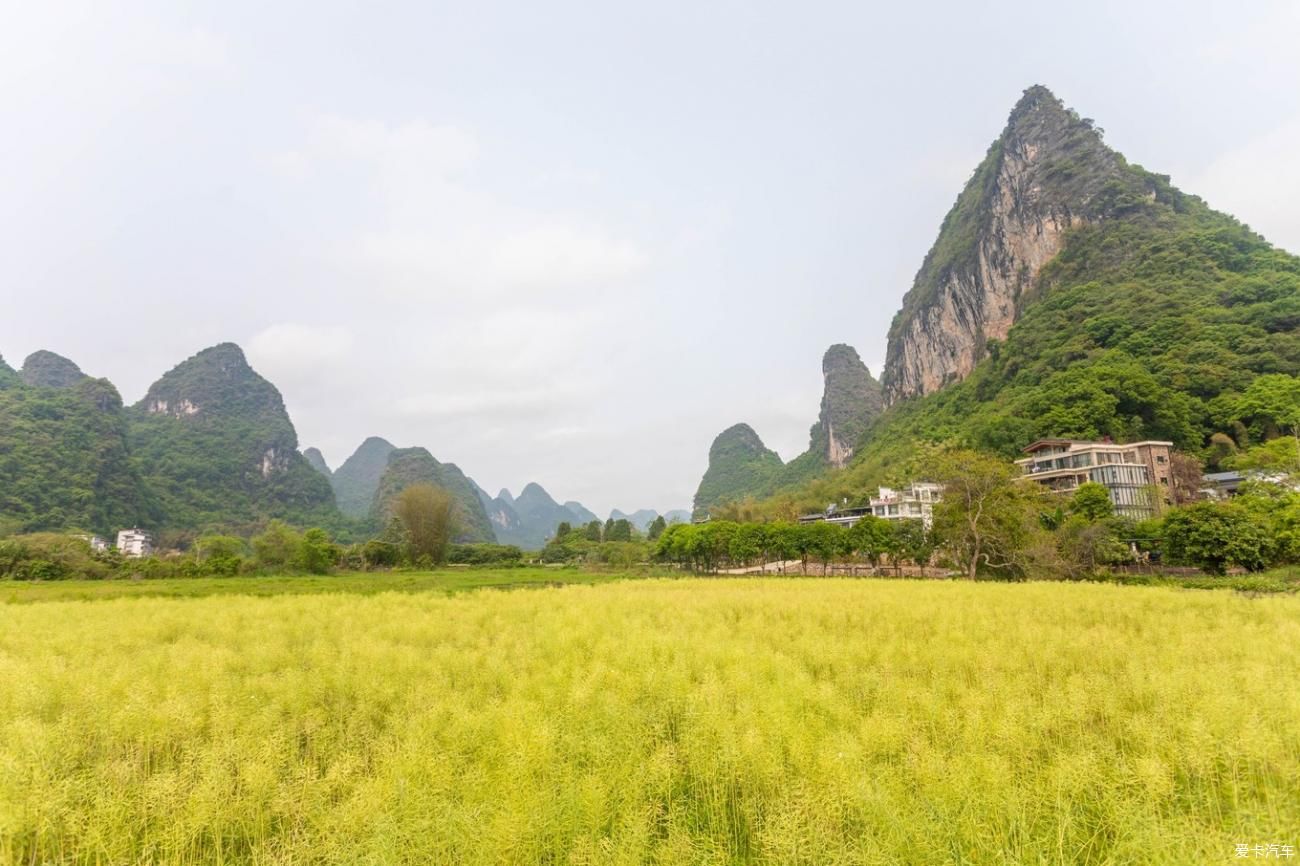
(615, 543)
(993, 523)
(417, 536)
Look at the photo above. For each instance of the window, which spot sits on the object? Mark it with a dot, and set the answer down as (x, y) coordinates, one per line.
(1160, 458)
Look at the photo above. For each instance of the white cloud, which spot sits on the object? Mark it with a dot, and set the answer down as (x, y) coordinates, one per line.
(560, 257)
(433, 230)
(293, 348)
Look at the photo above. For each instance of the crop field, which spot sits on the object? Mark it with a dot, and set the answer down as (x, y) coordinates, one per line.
(773, 721)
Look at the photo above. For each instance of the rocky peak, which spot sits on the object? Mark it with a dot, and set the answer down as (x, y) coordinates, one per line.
(408, 466)
(851, 400)
(739, 465)
(534, 494)
(316, 460)
(216, 381)
(357, 479)
(48, 370)
(581, 513)
(1046, 173)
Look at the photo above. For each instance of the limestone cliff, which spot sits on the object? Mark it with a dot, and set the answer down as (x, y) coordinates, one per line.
(215, 442)
(851, 400)
(1047, 173)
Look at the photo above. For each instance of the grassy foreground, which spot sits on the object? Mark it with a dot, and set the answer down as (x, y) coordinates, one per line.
(686, 721)
(363, 583)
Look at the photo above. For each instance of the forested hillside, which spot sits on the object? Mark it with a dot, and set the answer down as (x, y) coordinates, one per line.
(1154, 316)
(64, 459)
(407, 466)
(215, 445)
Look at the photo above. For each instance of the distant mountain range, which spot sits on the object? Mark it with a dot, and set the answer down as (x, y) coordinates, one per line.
(210, 447)
(530, 519)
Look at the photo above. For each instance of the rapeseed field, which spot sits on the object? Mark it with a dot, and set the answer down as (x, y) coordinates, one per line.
(763, 721)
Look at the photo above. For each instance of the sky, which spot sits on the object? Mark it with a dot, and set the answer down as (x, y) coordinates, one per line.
(564, 242)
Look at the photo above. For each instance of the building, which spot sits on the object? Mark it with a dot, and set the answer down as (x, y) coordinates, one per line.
(914, 502)
(97, 544)
(134, 542)
(1131, 472)
(1221, 485)
(1225, 485)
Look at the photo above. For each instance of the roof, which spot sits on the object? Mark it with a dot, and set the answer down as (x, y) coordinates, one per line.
(1043, 443)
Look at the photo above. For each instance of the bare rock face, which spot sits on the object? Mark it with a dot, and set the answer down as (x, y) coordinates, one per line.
(1047, 173)
(851, 400)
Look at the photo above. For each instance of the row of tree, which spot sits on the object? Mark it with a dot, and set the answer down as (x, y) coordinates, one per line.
(990, 521)
(419, 534)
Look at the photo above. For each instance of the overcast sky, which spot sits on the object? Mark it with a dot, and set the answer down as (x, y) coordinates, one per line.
(563, 242)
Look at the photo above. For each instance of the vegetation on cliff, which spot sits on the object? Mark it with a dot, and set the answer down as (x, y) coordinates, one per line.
(739, 465)
(412, 466)
(1160, 318)
(215, 445)
(65, 461)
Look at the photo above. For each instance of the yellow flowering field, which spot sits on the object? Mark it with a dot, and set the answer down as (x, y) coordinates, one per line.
(765, 721)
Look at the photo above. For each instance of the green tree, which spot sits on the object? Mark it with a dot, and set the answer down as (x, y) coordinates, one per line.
(593, 533)
(747, 544)
(1214, 535)
(825, 541)
(872, 537)
(318, 553)
(220, 554)
(277, 547)
(984, 516)
(1092, 502)
(1086, 545)
(657, 527)
(620, 530)
(428, 517)
(915, 542)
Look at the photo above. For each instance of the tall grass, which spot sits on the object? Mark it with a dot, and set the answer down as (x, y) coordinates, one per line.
(688, 721)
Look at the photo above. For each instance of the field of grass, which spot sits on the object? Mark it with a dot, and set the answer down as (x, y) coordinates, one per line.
(445, 581)
(773, 721)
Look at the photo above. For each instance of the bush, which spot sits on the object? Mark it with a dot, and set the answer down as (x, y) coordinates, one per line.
(1214, 535)
(51, 556)
(485, 554)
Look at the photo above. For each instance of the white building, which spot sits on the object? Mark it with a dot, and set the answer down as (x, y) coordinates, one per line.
(134, 542)
(914, 502)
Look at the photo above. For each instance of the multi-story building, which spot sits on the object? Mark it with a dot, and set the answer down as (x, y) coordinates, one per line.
(913, 502)
(1135, 473)
(134, 542)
